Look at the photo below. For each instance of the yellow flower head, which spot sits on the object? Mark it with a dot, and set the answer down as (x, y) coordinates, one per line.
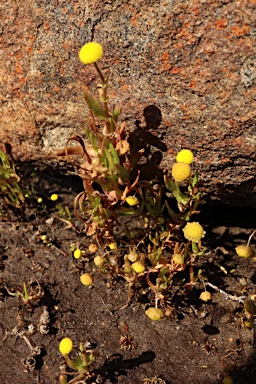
(154, 313)
(93, 248)
(99, 260)
(178, 259)
(113, 245)
(86, 279)
(227, 380)
(193, 232)
(138, 267)
(54, 197)
(66, 346)
(206, 296)
(132, 200)
(185, 156)
(181, 171)
(90, 53)
(77, 253)
(244, 251)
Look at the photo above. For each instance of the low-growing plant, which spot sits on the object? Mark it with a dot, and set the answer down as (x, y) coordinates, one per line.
(142, 227)
(80, 365)
(9, 182)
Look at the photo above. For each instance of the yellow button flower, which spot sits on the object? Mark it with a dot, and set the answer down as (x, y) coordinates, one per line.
(138, 267)
(90, 53)
(154, 313)
(77, 253)
(132, 200)
(227, 380)
(86, 279)
(185, 156)
(54, 197)
(193, 232)
(181, 171)
(99, 260)
(244, 251)
(178, 259)
(206, 296)
(66, 346)
(113, 245)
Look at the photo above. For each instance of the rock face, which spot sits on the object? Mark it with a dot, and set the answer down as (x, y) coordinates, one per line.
(185, 72)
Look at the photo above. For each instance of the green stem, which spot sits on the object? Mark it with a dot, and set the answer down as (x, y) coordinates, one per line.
(104, 89)
(251, 236)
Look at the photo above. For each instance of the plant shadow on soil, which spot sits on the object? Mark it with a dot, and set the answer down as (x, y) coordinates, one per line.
(199, 343)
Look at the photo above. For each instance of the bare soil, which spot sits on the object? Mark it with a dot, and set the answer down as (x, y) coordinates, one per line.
(199, 344)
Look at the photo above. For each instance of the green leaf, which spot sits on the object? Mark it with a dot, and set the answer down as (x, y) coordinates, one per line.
(114, 154)
(124, 174)
(95, 107)
(127, 211)
(92, 139)
(195, 180)
(174, 189)
(116, 112)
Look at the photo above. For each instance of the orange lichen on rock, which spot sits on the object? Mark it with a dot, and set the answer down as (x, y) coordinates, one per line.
(240, 31)
(175, 70)
(221, 24)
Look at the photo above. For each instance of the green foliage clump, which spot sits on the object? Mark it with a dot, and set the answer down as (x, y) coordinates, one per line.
(137, 223)
(9, 182)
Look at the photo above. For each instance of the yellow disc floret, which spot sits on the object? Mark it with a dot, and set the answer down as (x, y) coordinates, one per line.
(193, 232)
(185, 156)
(90, 53)
(66, 346)
(181, 171)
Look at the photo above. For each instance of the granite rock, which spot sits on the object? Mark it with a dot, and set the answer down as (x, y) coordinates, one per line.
(184, 71)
